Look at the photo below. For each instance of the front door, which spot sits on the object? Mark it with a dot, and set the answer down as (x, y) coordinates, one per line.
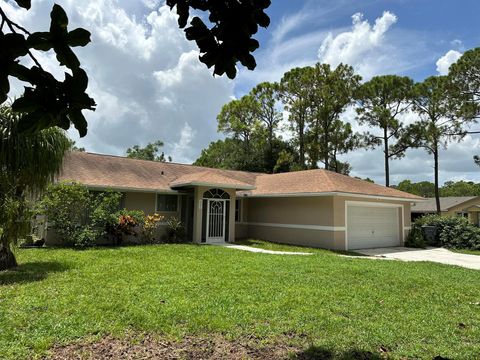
(216, 221)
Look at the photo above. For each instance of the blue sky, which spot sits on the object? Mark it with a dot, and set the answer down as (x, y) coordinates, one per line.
(149, 84)
(437, 26)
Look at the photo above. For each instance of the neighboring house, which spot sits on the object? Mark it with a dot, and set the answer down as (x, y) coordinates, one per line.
(466, 206)
(315, 208)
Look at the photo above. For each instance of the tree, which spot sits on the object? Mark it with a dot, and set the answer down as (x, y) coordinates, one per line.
(48, 102)
(442, 117)
(380, 102)
(230, 154)
(149, 152)
(460, 188)
(331, 92)
(341, 140)
(465, 73)
(74, 147)
(465, 79)
(265, 96)
(294, 91)
(422, 188)
(28, 162)
(449, 188)
(238, 119)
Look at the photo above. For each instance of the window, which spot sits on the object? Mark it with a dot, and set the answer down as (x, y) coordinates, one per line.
(238, 210)
(215, 194)
(462, 214)
(167, 203)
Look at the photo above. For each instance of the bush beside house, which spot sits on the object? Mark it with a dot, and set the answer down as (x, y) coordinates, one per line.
(451, 232)
(81, 218)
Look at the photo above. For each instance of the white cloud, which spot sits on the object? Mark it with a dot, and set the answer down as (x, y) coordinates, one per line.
(359, 46)
(183, 148)
(444, 63)
(144, 75)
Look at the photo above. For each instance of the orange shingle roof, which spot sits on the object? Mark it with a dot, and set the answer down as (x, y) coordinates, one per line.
(106, 171)
(319, 181)
(210, 178)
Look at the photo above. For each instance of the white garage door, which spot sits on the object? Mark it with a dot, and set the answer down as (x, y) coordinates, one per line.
(370, 227)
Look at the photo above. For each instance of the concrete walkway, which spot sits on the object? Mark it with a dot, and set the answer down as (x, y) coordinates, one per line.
(262, 251)
(439, 255)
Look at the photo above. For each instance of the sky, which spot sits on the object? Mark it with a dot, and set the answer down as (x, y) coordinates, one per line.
(149, 84)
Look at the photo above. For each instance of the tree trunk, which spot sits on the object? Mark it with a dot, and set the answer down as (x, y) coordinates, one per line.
(271, 162)
(326, 142)
(387, 166)
(301, 141)
(7, 258)
(437, 192)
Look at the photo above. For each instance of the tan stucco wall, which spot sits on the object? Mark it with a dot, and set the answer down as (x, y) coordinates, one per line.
(140, 201)
(316, 211)
(291, 210)
(241, 231)
(326, 211)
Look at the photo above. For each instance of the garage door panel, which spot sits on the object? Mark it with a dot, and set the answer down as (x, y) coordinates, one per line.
(369, 226)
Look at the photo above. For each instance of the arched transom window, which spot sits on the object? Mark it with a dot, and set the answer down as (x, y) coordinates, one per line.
(215, 194)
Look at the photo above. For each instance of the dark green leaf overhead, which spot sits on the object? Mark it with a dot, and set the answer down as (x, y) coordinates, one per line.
(227, 36)
(46, 102)
(24, 3)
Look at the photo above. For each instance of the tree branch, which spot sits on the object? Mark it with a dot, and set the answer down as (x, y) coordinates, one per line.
(12, 25)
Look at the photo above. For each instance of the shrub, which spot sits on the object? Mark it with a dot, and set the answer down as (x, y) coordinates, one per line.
(175, 230)
(66, 207)
(78, 216)
(460, 236)
(150, 224)
(452, 231)
(415, 237)
(85, 237)
(104, 209)
(126, 224)
(137, 215)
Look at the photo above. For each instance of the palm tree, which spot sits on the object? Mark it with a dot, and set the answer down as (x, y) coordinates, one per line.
(28, 162)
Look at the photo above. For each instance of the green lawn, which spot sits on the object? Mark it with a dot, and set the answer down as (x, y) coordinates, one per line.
(337, 304)
(267, 245)
(469, 252)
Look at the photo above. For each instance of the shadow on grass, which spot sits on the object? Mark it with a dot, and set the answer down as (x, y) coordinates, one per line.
(30, 272)
(252, 242)
(263, 243)
(348, 253)
(321, 353)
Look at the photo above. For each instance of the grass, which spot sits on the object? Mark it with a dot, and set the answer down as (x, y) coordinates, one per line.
(469, 252)
(267, 245)
(337, 304)
(261, 244)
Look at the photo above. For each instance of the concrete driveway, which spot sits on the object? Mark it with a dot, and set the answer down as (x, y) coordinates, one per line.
(439, 255)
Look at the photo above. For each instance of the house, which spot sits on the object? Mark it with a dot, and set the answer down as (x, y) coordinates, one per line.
(466, 206)
(316, 208)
